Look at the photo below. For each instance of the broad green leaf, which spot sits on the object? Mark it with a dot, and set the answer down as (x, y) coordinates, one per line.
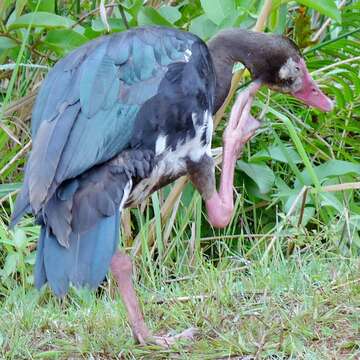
(44, 5)
(283, 190)
(245, 4)
(6, 43)
(132, 7)
(91, 34)
(294, 196)
(292, 165)
(115, 25)
(63, 41)
(330, 169)
(276, 153)
(150, 16)
(253, 190)
(261, 174)
(41, 19)
(329, 199)
(325, 7)
(337, 168)
(309, 212)
(233, 20)
(170, 13)
(203, 27)
(218, 10)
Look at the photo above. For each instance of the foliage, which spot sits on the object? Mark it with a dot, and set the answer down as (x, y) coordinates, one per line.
(299, 177)
(305, 308)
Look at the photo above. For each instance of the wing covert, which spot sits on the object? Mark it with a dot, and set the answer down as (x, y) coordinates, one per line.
(87, 107)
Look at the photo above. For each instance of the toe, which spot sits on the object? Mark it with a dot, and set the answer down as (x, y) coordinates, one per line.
(167, 340)
(188, 334)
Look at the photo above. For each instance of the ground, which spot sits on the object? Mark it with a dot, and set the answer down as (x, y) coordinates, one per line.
(304, 307)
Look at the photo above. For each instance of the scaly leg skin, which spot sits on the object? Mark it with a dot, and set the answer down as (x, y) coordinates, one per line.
(121, 267)
(240, 129)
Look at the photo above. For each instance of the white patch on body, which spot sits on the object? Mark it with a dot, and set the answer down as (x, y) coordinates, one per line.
(126, 194)
(209, 131)
(172, 163)
(187, 55)
(193, 148)
(160, 145)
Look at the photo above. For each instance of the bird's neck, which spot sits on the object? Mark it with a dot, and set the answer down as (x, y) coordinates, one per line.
(227, 48)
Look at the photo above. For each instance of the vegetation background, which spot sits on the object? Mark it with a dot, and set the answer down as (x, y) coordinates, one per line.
(283, 280)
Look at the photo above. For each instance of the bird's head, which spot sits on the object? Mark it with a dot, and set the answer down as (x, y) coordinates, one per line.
(283, 69)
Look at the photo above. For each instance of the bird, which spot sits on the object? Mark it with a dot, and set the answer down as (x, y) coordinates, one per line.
(126, 114)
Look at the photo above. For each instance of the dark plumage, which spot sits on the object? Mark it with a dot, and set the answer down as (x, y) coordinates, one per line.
(121, 117)
(262, 54)
(95, 125)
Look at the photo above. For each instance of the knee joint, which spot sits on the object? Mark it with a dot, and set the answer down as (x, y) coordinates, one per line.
(121, 263)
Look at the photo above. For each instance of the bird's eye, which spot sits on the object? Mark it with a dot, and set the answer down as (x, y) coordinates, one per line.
(314, 91)
(297, 68)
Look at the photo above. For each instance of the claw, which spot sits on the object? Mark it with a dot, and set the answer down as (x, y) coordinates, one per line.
(167, 340)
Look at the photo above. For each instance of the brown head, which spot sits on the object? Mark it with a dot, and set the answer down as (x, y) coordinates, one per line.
(290, 75)
(273, 60)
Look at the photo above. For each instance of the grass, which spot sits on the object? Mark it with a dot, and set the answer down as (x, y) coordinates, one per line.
(304, 307)
(269, 286)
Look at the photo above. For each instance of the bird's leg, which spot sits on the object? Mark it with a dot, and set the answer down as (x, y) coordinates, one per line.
(240, 129)
(121, 267)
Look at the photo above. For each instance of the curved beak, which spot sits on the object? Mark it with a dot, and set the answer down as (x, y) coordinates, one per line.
(310, 93)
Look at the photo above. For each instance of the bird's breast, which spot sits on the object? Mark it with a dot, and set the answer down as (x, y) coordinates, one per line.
(171, 161)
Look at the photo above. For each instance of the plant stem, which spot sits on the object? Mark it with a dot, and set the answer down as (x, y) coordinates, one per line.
(325, 43)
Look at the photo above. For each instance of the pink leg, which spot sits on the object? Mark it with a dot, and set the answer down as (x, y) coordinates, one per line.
(121, 268)
(240, 129)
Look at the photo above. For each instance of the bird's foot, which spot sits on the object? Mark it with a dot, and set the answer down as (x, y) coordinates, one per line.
(242, 125)
(168, 340)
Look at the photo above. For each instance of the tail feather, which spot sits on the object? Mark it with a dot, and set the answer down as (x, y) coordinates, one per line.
(80, 229)
(84, 263)
(80, 222)
(22, 203)
(39, 271)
